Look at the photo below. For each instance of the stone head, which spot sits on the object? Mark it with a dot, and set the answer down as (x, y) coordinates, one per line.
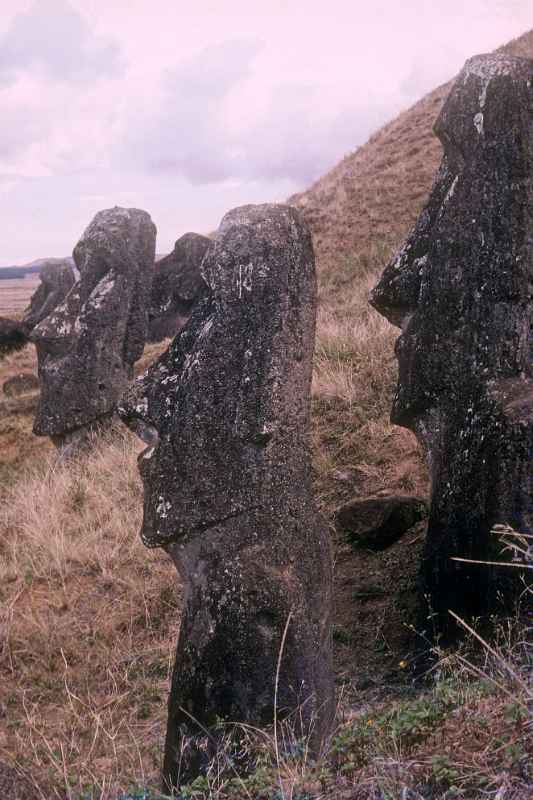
(226, 407)
(460, 287)
(56, 281)
(88, 345)
(176, 286)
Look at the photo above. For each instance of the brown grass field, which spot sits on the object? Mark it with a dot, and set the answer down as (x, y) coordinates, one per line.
(89, 617)
(15, 294)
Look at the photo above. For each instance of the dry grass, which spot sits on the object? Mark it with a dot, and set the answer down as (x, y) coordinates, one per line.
(89, 625)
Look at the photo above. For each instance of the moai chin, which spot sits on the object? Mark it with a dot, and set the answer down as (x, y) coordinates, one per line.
(56, 281)
(227, 481)
(87, 347)
(461, 290)
(176, 286)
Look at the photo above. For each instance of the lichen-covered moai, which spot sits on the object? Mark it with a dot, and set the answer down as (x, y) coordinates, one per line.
(461, 289)
(227, 479)
(57, 279)
(176, 286)
(87, 347)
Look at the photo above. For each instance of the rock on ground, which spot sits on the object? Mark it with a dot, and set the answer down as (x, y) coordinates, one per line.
(378, 522)
(12, 336)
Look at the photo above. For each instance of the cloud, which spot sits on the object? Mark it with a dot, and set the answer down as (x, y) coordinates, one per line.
(18, 132)
(184, 132)
(215, 120)
(55, 42)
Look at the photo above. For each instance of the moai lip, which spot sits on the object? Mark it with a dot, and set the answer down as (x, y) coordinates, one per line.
(87, 346)
(460, 288)
(227, 483)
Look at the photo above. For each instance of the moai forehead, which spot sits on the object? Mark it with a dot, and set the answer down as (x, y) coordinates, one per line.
(460, 286)
(228, 403)
(118, 240)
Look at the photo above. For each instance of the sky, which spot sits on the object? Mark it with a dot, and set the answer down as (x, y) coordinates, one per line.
(190, 109)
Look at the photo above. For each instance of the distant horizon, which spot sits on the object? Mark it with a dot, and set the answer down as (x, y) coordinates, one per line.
(249, 105)
(34, 261)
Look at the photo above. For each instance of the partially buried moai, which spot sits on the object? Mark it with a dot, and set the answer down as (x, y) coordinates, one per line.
(461, 289)
(56, 280)
(227, 482)
(176, 286)
(87, 347)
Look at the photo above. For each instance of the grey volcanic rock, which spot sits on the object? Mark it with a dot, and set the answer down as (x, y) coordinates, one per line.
(378, 522)
(461, 289)
(176, 285)
(57, 279)
(12, 336)
(87, 347)
(228, 490)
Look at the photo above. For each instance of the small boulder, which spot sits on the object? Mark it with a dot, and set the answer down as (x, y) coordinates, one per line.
(377, 523)
(22, 383)
(12, 336)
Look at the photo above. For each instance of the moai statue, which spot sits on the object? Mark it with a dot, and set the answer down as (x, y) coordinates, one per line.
(57, 279)
(176, 286)
(460, 289)
(87, 347)
(227, 480)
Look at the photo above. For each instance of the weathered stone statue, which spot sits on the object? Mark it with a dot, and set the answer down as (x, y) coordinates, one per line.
(461, 289)
(87, 347)
(176, 285)
(228, 491)
(57, 279)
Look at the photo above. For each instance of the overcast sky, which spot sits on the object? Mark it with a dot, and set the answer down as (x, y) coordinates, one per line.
(187, 109)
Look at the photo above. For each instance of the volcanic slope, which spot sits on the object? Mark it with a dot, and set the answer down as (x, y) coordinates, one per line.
(374, 195)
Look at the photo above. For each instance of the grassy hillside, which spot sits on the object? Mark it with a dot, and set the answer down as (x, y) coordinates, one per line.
(373, 196)
(89, 617)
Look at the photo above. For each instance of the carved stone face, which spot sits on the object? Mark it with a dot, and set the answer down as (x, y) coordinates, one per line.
(176, 286)
(88, 345)
(226, 407)
(459, 286)
(56, 281)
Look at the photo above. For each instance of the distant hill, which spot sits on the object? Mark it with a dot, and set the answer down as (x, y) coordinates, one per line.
(374, 195)
(31, 268)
